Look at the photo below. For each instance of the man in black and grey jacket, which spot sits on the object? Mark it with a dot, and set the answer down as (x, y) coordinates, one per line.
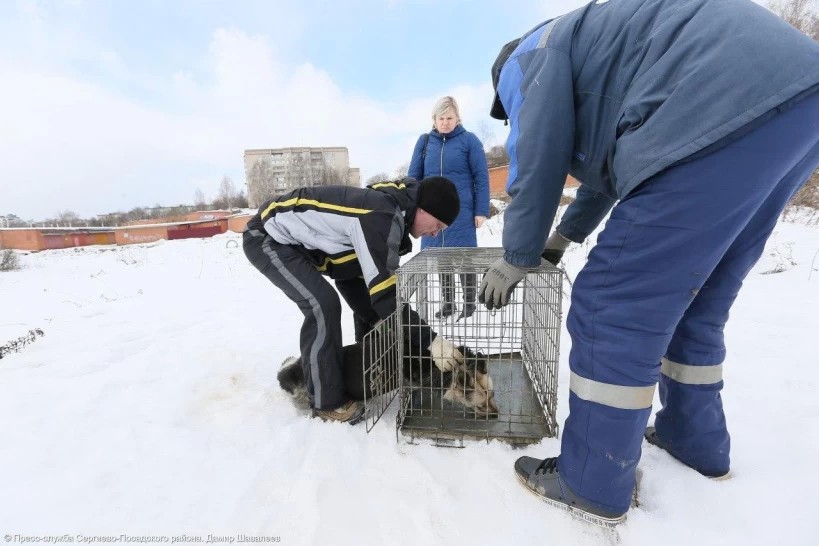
(355, 236)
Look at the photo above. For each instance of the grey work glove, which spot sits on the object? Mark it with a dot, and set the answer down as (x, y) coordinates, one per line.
(556, 245)
(498, 282)
(444, 354)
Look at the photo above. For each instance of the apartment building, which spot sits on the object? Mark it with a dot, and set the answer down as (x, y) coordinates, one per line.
(274, 171)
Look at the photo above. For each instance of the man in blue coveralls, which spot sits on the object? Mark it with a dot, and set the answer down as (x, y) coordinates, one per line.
(701, 118)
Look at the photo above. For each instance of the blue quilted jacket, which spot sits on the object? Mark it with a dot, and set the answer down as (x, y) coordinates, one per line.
(459, 156)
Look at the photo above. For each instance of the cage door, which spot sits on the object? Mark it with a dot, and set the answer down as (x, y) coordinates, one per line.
(380, 366)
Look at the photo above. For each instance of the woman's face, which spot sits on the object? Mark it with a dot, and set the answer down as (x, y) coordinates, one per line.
(446, 121)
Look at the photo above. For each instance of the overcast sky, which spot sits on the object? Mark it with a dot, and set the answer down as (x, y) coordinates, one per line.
(110, 105)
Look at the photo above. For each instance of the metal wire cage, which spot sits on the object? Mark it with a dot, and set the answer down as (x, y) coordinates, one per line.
(381, 362)
(506, 387)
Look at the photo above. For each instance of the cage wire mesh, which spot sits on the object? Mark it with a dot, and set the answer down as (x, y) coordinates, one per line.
(506, 387)
(381, 361)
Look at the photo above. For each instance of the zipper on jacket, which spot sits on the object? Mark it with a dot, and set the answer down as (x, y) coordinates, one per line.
(443, 143)
(442, 154)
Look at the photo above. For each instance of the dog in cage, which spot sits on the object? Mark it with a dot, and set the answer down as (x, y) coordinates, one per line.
(467, 383)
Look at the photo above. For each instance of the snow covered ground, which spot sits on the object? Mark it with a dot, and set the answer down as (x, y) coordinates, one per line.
(151, 406)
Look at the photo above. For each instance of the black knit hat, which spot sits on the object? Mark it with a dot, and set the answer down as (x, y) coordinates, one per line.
(497, 110)
(437, 195)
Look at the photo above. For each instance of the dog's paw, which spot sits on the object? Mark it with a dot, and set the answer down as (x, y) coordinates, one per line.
(474, 359)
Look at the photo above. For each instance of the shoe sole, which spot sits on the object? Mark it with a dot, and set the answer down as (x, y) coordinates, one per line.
(600, 521)
(358, 419)
(351, 421)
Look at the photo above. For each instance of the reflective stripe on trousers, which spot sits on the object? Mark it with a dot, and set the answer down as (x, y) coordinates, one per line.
(660, 282)
(320, 336)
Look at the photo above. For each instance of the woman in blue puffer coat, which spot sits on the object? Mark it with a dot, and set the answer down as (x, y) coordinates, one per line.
(450, 150)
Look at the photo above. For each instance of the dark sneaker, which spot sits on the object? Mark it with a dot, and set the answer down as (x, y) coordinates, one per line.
(469, 310)
(352, 412)
(652, 438)
(447, 310)
(543, 479)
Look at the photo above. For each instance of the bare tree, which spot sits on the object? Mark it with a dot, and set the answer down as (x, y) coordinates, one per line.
(226, 195)
(485, 133)
(199, 199)
(137, 213)
(402, 170)
(157, 211)
(496, 155)
(12, 220)
(261, 184)
(68, 218)
(333, 176)
(241, 200)
(378, 177)
(801, 14)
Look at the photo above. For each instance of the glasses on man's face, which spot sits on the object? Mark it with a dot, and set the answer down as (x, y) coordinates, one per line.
(439, 228)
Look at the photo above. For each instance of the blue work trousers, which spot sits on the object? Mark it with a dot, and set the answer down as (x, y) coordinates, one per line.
(659, 284)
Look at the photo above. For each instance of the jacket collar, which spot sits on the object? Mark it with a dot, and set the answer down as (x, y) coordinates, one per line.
(453, 133)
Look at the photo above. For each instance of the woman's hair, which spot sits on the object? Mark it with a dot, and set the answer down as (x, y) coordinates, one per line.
(444, 104)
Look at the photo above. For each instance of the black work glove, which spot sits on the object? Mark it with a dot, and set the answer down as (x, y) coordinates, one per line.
(556, 245)
(552, 255)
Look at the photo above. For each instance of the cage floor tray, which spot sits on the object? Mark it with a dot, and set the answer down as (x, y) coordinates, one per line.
(520, 419)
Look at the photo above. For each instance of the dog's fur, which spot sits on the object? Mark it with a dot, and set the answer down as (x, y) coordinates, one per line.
(469, 384)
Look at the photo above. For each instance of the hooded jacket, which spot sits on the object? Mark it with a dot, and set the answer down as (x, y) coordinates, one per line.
(347, 232)
(458, 156)
(617, 91)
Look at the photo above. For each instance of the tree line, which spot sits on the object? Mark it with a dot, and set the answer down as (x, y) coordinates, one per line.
(227, 198)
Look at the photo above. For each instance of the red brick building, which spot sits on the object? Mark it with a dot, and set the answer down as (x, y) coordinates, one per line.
(499, 175)
(53, 238)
